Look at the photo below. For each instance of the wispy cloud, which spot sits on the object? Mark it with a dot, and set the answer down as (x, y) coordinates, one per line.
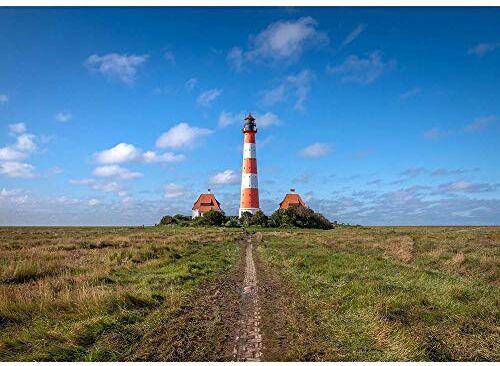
(298, 85)
(465, 186)
(17, 128)
(315, 150)
(116, 66)
(181, 135)
(15, 169)
(280, 41)
(191, 84)
(410, 93)
(435, 133)
(361, 154)
(63, 116)
(3, 99)
(226, 177)
(115, 171)
(480, 123)
(482, 49)
(361, 70)
(353, 35)
(173, 190)
(11, 156)
(170, 57)
(208, 96)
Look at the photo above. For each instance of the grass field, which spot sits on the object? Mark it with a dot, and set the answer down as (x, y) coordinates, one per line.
(353, 293)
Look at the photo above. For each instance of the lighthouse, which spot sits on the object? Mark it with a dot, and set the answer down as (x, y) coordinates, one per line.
(249, 201)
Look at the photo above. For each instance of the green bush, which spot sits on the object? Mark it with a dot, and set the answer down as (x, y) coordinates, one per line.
(246, 219)
(260, 219)
(181, 218)
(232, 223)
(212, 218)
(167, 220)
(299, 216)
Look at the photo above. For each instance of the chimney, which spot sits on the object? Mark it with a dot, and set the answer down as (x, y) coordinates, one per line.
(209, 190)
(292, 189)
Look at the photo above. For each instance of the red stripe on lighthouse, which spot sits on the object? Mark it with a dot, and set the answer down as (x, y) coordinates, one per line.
(250, 137)
(249, 198)
(250, 166)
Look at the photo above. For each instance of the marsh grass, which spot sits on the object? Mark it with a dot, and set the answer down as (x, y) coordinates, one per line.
(395, 293)
(90, 293)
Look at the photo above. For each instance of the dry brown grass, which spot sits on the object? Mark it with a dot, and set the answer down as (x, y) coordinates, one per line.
(64, 292)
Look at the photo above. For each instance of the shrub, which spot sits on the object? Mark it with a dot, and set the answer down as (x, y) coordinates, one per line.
(213, 218)
(167, 220)
(260, 219)
(246, 218)
(299, 216)
(181, 218)
(232, 223)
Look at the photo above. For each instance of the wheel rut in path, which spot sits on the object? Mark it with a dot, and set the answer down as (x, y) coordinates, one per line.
(248, 340)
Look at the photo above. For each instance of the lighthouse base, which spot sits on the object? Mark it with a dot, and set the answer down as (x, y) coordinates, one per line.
(251, 210)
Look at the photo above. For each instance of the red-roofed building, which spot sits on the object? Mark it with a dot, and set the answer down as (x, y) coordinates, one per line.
(206, 202)
(292, 199)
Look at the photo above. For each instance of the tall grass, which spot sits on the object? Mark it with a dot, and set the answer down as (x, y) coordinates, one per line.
(384, 293)
(88, 293)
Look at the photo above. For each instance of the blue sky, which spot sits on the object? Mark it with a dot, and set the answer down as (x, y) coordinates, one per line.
(115, 116)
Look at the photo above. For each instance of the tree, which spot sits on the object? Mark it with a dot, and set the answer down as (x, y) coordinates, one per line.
(260, 219)
(246, 218)
(213, 218)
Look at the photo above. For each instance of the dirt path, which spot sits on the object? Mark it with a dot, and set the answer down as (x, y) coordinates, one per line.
(248, 340)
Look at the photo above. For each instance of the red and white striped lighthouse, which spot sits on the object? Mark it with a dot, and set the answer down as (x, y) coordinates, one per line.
(249, 201)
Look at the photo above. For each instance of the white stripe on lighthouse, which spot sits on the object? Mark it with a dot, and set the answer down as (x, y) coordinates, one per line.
(249, 150)
(249, 180)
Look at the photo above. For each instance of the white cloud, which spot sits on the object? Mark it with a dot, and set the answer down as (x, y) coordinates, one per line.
(107, 187)
(482, 49)
(3, 99)
(225, 177)
(275, 95)
(227, 118)
(121, 153)
(281, 40)
(113, 65)
(208, 96)
(125, 153)
(63, 116)
(353, 35)
(93, 202)
(361, 70)
(170, 57)
(150, 157)
(315, 150)
(298, 84)
(480, 123)
(16, 169)
(115, 171)
(262, 120)
(17, 128)
(267, 119)
(181, 135)
(191, 83)
(172, 190)
(82, 182)
(8, 153)
(25, 142)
